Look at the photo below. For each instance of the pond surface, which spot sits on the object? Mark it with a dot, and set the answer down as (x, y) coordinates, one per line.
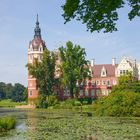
(69, 125)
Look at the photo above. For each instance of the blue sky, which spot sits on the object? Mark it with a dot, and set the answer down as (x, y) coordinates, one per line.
(17, 22)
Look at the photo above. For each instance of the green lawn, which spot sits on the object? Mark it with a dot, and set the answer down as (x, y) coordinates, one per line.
(9, 103)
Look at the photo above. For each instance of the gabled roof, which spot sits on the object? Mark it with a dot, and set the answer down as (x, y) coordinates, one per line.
(110, 69)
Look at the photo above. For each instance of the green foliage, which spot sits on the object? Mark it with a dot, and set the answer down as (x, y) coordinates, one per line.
(122, 103)
(9, 89)
(52, 100)
(127, 82)
(99, 14)
(2, 90)
(25, 94)
(7, 123)
(74, 67)
(70, 125)
(33, 101)
(14, 92)
(42, 102)
(77, 103)
(86, 100)
(44, 73)
(67, 104)
(18, 93)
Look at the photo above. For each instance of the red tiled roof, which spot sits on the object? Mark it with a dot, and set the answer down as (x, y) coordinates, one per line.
(108, 67)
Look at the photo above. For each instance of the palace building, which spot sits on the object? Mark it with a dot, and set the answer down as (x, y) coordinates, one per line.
(103, 76)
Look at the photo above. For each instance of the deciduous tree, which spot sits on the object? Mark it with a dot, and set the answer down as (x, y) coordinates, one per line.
(44, 73)
(99, 14)
(74, 66)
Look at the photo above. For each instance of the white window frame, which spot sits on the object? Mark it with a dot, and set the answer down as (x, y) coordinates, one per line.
(81, 92)
(103, 92)
(86, 92)
(103, 82)
(108, 83)
(97, 82)
(92, 82)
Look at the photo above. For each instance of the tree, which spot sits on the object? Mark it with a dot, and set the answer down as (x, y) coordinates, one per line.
(99, 14)
(9, 90)
(126, 79)
(74, 67)
(2, 90)
(25, 94)
(18, 93)
(125, 82)
(44, 73)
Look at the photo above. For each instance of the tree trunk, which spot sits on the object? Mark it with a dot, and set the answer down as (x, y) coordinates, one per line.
(71, 90)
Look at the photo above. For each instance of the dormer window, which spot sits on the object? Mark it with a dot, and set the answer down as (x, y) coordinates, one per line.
(103, 72)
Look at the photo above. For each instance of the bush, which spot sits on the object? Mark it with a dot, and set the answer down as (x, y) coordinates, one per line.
(7, 123)
(68, 104)
(77, 103)
(52, 101)
(41, 102)
(85, 101)
(123, 103)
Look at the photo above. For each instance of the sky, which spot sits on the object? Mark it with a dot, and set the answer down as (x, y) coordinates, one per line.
(17, 22)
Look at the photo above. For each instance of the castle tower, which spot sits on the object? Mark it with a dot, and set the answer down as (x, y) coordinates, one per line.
(35, 51)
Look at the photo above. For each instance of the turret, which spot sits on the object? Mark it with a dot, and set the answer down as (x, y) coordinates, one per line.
(35, 51)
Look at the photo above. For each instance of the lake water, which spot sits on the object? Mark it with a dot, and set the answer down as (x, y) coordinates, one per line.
(69, 125)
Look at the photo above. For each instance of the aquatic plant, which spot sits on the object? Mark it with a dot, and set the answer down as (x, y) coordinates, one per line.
(7, 123)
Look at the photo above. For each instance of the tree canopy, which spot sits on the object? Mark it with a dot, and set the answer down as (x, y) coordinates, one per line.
(99, 14)
(14, 92)
(74, 66)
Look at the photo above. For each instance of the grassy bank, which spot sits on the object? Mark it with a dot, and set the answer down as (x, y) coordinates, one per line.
(8, 103)
(6, 123)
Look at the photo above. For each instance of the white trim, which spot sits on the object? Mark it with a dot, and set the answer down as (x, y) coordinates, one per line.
(35, 52)
(31, 79)
(31, 88)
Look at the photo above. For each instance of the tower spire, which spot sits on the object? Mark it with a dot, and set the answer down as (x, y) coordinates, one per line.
(37, 18)
(37, 29)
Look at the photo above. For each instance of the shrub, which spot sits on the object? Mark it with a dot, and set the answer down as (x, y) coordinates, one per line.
(7, 123)
(52, 101)
(77, 103)
(86, 100)
(123, 103)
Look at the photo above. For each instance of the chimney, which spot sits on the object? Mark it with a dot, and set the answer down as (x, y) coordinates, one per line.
(113, 61)
(92, 62)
